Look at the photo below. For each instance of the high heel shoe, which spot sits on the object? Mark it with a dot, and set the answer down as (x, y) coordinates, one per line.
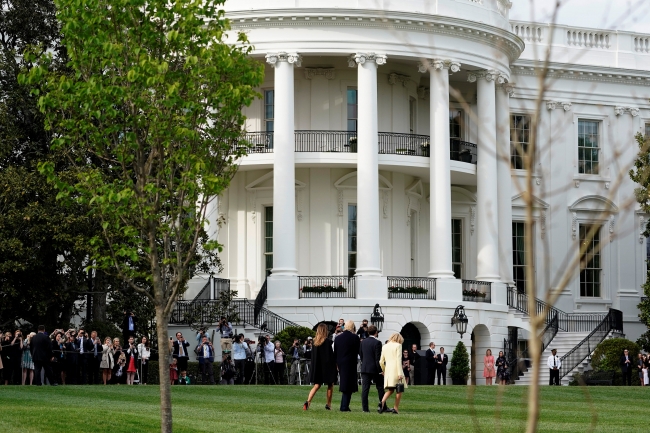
(382, 408)
(305, 406)
(327, 407)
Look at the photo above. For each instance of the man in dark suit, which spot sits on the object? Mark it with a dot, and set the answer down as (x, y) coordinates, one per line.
(431, 364)
(85, 355)
(95, 358)
(626, 368)
(370, 353)
(346, 351)
(441, 366)
(41, 350)
(180, 352)
(129, 326)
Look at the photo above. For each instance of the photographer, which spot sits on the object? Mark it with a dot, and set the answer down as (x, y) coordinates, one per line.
(295, 353)
(363, 330)
(267, 348)
(279, 364)
(180, 352)
(227, 371)
(206, 358)
(225, 328)
(203, 332)
(12, 347)
(240, 352)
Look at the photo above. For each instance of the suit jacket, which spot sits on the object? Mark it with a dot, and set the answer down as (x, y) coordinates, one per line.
(87, 345)
(41, 348)
(370, 353)
(125, 325)
(346, 350)
(177, 346)
(100, 348)
(431, 358)
(627, 367)
(442, 360)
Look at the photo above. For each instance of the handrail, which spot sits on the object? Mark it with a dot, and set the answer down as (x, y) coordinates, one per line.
(514, 358)
(330, 286)
(613, 321)
(411, 288)
(260, 300)
(569, 322)
(477, 291)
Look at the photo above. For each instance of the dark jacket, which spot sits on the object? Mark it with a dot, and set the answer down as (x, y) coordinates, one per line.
(370, 353)
(442, 360)
(87, 344)
(201, 358)
(100, 349)
(41, 348)
(131, 353)
(346, 350)
(323, 364)
(627, 367)
(125, 325)
(431, 359)
(72, 352)
(176, 345)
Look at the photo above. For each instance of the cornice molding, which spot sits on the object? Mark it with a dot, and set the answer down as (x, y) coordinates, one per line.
(291, 58)
(552, 105)
(328, 73)
(495, 37)
(583, 73)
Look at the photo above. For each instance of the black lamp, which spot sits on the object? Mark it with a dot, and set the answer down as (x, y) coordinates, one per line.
(460, 320)
(377, 318)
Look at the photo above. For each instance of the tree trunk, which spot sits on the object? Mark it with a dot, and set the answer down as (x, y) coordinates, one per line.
(163, 371)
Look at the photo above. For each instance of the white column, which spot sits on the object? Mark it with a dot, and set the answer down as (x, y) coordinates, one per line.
(440, 180)
(284, 176)
(368, 261)
(487, 263)
(504, 182)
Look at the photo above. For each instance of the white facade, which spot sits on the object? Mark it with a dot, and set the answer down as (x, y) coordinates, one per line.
(410, 63)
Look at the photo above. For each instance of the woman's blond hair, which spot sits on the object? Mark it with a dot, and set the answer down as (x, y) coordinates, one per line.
(396, 338)
(321, 334)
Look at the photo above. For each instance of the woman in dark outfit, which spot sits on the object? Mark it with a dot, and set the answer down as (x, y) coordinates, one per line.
(323, 366)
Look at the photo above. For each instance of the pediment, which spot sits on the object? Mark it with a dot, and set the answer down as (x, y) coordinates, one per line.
(349, 181)
(416, 189)
(461, 195)
(265, 182)
(593, 203)
(518, 201)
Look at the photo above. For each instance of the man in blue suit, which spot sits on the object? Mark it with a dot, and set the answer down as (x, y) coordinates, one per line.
(370, 353)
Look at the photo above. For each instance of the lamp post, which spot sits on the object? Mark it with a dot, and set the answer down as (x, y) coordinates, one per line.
(460, 320)
(377, 318)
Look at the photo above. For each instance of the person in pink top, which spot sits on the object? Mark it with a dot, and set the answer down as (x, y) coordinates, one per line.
(488, 369)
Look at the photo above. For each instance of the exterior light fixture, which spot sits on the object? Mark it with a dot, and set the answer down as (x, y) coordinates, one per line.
(460, 320)
(377, 318)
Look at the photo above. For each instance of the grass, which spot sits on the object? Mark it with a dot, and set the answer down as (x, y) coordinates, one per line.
(278, 409)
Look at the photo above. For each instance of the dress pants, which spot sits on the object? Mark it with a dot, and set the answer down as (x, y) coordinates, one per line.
(294, 372)
(240, 365)
(431, 375)
(442, 373)
(366, 378)
(555, 377)
(84, 361)
(94, 370)
(627, 377)
(269, 370)
(412, 375)
(207, 372)
(38, 366)
(345, 401)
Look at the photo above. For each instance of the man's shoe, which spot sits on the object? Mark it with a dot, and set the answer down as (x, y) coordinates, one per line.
(327, 407)
(366, 411)
(346, 410)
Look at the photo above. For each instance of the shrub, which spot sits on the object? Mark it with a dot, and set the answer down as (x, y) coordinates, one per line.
(608, 353)
(459, 370)
(193, 371)
(288, 334)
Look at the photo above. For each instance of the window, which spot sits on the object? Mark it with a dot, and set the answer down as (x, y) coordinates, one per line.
(519, 139)
(353, 109)
(352, 239)
(519, 255)
(269, 110)
(647, 130)
(412, 114)
(455, 124)
(647, 254)
(590, 261)
(588, 146)
(268, 239)
(457, 247)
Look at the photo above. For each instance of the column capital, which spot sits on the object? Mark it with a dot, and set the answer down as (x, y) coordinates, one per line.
(438, 65)
(552, 105)
(619, 110)
(291, 58)
(489, 75)
(361, 58)
(509, 88)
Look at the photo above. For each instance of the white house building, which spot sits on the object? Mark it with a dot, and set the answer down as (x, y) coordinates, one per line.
(384, 170)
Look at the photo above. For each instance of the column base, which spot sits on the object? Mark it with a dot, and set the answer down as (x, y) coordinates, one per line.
(368, 272)
(371, 287)
(441, 274)
(285, 272)
(282, 287)
(489, 278)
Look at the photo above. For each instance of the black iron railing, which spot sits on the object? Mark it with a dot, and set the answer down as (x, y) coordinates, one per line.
(326, 287)
(326, 141)
(569, 322)
(613, 321)
(260, 299)
(395, 143)
(264, 319)
(462, 151)
(255, 142)
(477, 291)
(411, 288)
(518, 362)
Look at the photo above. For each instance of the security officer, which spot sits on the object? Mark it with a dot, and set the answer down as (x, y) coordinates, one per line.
(554, 364)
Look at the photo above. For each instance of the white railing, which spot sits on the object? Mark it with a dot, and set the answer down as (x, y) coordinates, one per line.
(588, 39)
(529, 32)
(642, 44)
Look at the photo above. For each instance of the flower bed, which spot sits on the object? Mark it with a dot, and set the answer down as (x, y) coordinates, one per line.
(472, 293)
(412, 289)
(323, 289)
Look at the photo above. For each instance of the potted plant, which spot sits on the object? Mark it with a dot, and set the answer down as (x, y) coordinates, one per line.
(352, 142)
(459, 370)
(425, 148)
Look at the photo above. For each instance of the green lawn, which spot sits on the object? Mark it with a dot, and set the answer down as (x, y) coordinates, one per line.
(278, 408)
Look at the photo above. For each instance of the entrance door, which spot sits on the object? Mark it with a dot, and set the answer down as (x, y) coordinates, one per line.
(411, 336)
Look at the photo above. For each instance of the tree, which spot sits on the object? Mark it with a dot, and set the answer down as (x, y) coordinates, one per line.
(202, 314)
(288, 334)
(641, 175)
(459, 368)
(156, 98)
(43, 244)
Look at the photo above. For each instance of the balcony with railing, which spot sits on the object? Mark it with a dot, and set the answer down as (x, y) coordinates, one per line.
(477, 291)
(326, 287)
(390, 143)
(411, 288)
